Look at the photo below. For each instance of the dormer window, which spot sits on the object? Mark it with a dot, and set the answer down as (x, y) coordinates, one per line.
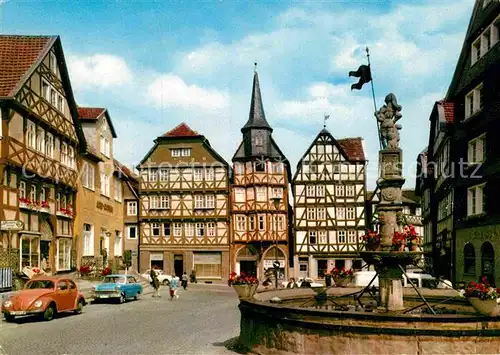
(486, 40)
(259, 141)
(260, 166)
(105, 146)
(474, 101)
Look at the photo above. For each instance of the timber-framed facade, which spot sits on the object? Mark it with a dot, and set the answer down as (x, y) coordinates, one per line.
(41, 138)
(329, 189)
(184, 209)
(259, 198)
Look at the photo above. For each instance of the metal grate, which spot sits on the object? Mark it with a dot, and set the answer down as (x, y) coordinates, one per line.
(5, 278)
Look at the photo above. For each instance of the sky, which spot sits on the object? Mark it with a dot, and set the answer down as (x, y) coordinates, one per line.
(155, 64)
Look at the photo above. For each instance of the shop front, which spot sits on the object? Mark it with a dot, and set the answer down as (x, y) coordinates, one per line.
(208, 265)
(156, 261)
(246, 262)
(29, 250)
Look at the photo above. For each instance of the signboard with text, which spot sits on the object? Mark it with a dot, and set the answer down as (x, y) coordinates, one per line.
(11, 225)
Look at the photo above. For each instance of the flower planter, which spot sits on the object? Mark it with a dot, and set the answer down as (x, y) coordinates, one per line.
(372, 247)
(245, 291)
(485, 307)
(343, 282)
(399, 247)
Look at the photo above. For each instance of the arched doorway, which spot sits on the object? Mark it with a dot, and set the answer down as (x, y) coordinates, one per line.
(488, 261)
(272, 255)
(246, 262)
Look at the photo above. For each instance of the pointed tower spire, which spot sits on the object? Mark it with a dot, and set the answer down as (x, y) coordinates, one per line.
(257, 117)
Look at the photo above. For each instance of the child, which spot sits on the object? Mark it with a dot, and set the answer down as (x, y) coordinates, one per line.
(173, 288)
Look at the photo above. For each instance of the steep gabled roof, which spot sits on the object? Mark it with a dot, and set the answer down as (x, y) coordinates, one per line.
(17, 55)
(92, 114)
(351, 148)
(182, 130)
(20, 56)
(256, 117)
(446, 111)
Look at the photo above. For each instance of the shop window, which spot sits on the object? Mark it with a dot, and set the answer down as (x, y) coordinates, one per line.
(30, 252)
(63, 254)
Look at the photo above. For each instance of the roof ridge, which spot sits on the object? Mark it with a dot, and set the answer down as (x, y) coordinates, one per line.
(181, 130)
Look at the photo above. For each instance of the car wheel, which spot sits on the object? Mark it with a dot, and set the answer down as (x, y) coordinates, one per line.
(136, 297)
(122, 298)
(79, 307)
(9, 317)
(165, 282)
(49, 313)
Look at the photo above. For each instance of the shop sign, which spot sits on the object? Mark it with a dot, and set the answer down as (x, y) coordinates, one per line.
(156, 257)
(11, 225)
(105, 207)
(270, 263)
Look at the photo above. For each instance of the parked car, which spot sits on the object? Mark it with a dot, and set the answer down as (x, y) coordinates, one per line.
(117, 287)
(163, 278)
(45, 297)
(301, 282)
(363, 278)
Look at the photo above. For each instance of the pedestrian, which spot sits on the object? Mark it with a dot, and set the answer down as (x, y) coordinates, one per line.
(184, 280)
(173, 288)
(155, 283)
(193, 276)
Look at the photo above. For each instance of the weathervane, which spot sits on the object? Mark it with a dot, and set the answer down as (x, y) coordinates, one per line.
(255, 67)
(324, 120)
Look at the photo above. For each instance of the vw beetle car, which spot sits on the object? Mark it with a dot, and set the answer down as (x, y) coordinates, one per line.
(45, 297)
(164, 279)
(117, 287)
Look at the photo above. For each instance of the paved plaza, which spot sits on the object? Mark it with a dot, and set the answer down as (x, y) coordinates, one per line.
(204, 320)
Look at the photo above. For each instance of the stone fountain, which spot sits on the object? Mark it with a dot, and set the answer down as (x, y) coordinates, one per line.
(332, 321)
(389, 263)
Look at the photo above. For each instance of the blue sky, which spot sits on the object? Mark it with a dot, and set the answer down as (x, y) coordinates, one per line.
(155, 64)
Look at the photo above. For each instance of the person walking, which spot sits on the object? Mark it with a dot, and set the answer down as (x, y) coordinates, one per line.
(155, 283)
(184, 280)
(173, 287)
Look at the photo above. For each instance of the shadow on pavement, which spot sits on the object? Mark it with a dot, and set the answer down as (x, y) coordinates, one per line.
(232, 344)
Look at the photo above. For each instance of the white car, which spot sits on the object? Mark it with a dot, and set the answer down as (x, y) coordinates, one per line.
(163, 278)
(299, 282)
(362, 278)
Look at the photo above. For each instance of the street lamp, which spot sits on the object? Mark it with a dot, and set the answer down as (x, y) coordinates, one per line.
(276, 263)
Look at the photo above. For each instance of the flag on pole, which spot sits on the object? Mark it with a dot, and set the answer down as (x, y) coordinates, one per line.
(364, 74)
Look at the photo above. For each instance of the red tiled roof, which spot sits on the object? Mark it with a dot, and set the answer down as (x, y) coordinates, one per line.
(181, 130)
(17, 56)
(90, 113)
(122, 168)
(353, 147)
(447, 110)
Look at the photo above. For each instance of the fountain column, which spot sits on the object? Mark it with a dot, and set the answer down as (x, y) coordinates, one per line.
(390, 206)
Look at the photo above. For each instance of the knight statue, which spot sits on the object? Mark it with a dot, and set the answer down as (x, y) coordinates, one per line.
(387, 117)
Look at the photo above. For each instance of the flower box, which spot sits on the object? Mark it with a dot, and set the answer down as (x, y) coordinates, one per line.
(485, 307)
(343, 282)
(245, 291)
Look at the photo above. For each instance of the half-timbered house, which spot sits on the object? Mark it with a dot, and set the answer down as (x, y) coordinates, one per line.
(259, 197)
(41, 137)
(184, 210)
(329, 189)
(99, 222)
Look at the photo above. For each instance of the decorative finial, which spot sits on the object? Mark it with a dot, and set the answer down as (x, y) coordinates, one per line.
(324, 120)
(255, 67)
(367, 52)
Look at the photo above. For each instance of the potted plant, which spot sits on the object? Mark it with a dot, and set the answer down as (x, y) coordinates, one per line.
(484, 298)
(244, 285)
(342, 277)
(399, 241)
(372, 240)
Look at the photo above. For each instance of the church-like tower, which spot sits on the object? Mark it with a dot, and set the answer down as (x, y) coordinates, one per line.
(259, 197)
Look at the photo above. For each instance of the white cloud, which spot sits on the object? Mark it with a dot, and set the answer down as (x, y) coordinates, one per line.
(98, 71)
(171, 91)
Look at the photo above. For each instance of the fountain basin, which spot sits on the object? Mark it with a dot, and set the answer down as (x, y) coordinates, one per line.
(284, 328)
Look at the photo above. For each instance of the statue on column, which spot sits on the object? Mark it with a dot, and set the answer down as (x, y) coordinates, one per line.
(387, 117)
